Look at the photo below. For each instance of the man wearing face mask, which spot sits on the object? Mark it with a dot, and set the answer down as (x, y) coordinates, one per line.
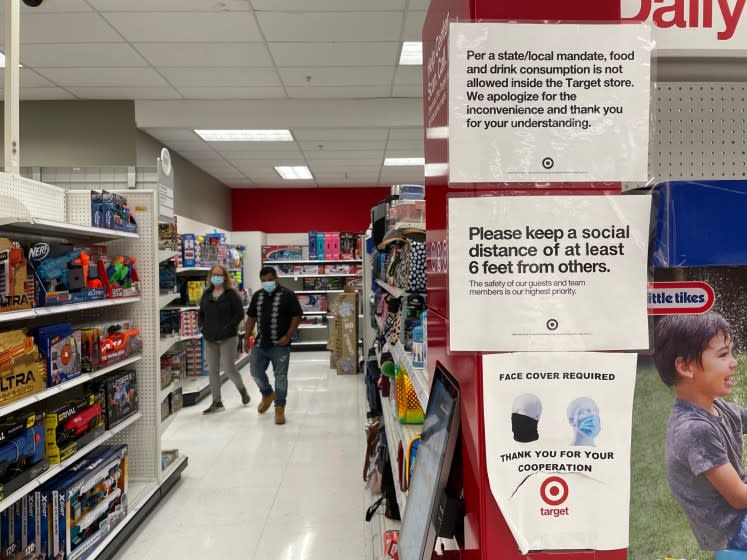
(277, 314)
(219, 317)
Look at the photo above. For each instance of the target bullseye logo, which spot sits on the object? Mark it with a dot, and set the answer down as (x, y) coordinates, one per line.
(554, 491)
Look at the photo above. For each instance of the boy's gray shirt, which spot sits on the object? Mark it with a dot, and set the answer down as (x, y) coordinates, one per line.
(696, 442)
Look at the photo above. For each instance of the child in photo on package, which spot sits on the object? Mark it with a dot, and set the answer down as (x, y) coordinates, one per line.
(704, 439)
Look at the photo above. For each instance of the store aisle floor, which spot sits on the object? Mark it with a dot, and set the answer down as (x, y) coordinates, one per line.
(254, 490)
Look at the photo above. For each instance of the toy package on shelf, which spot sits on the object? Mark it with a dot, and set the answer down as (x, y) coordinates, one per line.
(189, 249)
(120, 396)
(312, 245)
(348, 245)
(173, 367)
(22, 368)
(313, 302)
(165, 408)
(120, 277)
(192, 291)
(177, 400)
(168, 238)
(282, 252)
(16, 280)
(61, 346)
(340, 268)
(170, 322)
(22, 451)
(188, 322)
(73, 425)
(66, 273)
(110, 211)
(86, 505)
(108, 343)
(332, 246)
(323, 283)
(194, 357)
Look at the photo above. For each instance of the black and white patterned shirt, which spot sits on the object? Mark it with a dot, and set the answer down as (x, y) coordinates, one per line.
(273, 313)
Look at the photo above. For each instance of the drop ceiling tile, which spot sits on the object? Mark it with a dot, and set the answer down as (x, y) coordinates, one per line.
(339, 92)
(252, 149)
(335, 27)
(104, 77)
(205, 54)
(124, 92)
(186, 27)
(44, 93)
(327, 5)
(407, 91)
(248, 164)
(28, 78)
(337, 146)
(339, 134)
(65, 28)
(335, 54)
(232, 92)
(405, 134)
(347, 158)
(409, 76)
(221, 77)
(337, 76)
(81, 55)
(169, 5)
(414, 26)
(343, 177)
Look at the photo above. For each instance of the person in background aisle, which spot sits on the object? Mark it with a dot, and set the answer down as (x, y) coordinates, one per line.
(277, 314)
(219, 317)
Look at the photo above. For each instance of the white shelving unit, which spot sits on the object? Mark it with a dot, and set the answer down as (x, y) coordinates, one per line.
(61, 216)
(396, 433)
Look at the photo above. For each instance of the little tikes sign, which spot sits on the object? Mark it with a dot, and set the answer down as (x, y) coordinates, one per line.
(692, 25)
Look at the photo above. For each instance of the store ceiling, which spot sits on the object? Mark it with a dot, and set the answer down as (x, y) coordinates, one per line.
(326, 69)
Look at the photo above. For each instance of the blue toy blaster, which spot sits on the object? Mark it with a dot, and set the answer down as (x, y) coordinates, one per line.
(25, 449)
(53, 270)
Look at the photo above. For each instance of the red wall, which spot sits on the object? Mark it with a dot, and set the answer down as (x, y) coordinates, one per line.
(297, 210)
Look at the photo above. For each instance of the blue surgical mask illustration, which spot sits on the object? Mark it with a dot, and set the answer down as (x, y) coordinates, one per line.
(585, 421)
(216, 280)
(268, 286)
(590, 425)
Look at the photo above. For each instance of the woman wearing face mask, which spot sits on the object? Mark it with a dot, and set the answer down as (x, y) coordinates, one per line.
(220, 313)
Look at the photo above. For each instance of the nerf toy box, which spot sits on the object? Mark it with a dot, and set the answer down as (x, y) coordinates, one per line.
(64, 273)
(22, 368)
(282, 252)
(60, 345)
(108, 343)
(22, 448)
(121, 397)
(322, 283)
(16, 281)
(110, 211)
(120, 277)
(71, 426)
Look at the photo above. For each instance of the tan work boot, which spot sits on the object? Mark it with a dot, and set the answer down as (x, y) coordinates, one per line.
(264, 404)
(279, 415)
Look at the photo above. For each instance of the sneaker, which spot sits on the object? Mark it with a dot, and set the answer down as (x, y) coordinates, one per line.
(213, 408)
(279, 415)
(265, 403)
(245, 398)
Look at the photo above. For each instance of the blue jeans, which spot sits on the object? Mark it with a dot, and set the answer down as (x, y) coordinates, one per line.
(739, 541)
(260, 358)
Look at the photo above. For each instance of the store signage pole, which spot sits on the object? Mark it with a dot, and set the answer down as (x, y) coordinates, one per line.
(12, 47)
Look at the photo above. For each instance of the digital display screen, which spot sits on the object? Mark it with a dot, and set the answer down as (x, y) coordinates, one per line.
(418, 535)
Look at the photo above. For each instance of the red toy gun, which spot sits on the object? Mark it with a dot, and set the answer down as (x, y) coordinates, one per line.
(82, 422)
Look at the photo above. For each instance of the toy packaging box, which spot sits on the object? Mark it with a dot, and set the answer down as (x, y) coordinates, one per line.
(110, 211)
(320, 246)
(22, 447)
(73, 425)
(313, 302)
(312, 245)
(120, 277)
(16, 280)
(348, 243)
(322, 283)
(22, 368)
(87, 509)
(108, 343)
(282, 252)
(64, 273)
(189, 249)
(121, 394)
(61, 345)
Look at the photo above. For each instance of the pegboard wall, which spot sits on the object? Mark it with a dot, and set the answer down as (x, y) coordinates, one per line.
(700, 131)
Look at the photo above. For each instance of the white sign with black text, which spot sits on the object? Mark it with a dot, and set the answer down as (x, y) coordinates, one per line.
(543, 273)
(530, 102)
(557, 444)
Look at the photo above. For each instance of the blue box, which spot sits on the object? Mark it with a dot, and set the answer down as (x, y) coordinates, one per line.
(320, 242)
(700, 224)
(312, 246)
(60, 345)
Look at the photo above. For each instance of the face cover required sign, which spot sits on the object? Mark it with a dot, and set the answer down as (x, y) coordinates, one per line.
(557, 442)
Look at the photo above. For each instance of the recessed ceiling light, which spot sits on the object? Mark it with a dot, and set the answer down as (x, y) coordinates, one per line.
(294, 172)
(2, 61)
(245, 135)
(392, 161)
(412, 53)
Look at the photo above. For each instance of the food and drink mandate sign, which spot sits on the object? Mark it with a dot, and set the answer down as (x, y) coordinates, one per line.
(532, 102)
(546, 273)
(557, 445)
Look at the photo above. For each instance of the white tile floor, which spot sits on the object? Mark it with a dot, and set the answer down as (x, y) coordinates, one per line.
(254, 490)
